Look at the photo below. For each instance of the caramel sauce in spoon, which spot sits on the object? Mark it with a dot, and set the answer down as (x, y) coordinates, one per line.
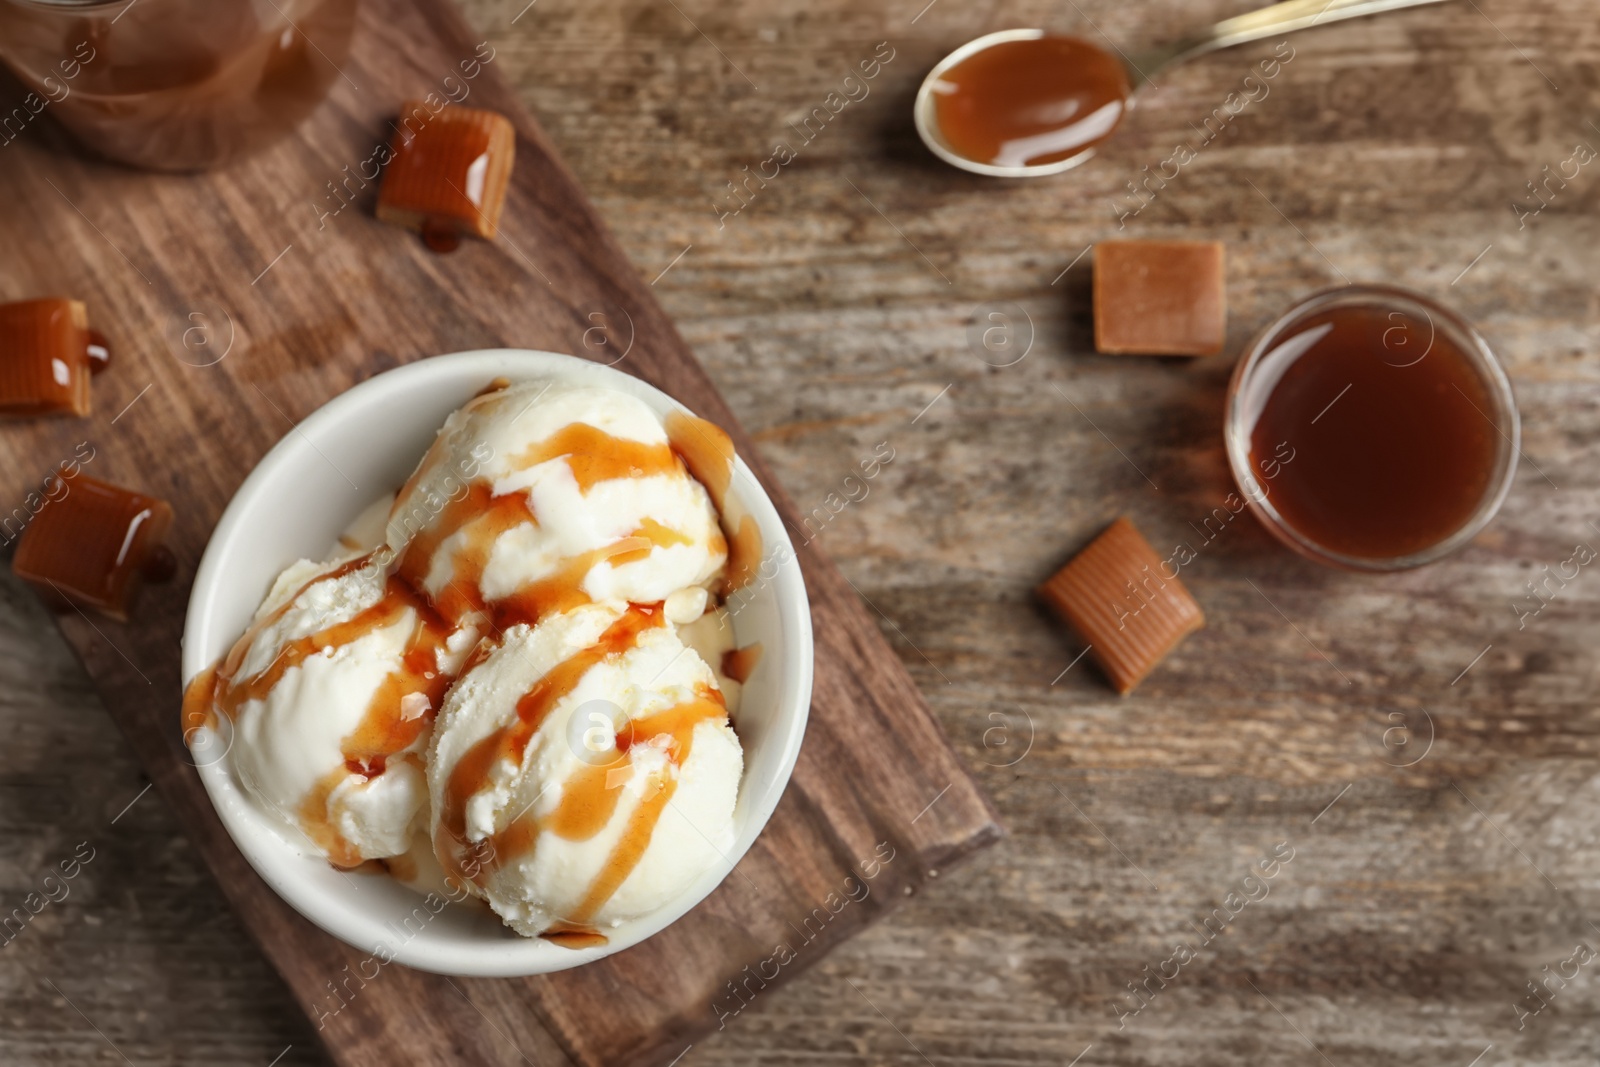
(1029, 102)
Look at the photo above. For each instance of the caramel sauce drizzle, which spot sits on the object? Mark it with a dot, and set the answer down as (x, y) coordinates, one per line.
(200, 698)
(313, 817)
(707, 450)
(235, 656)
(744, 553)
(489, 517)
(475, 859)
(589, 798)
(740, 663)
(678, 724)
(629, 849)
(595, 456)
(575, 936)
(657, 536)
(199, 707)
(384, 729)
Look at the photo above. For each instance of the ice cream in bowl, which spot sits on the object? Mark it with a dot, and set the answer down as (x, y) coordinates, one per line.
(497, 663)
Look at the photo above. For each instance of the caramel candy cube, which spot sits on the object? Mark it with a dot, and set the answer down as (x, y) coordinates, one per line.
(45, 358)
(1160, 298)
(92, 544)
(448, 170)
(1118, 597)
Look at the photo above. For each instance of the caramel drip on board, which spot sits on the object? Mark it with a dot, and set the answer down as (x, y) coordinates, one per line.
(440, 234)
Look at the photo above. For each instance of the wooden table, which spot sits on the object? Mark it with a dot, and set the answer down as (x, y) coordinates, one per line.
(1429, 882)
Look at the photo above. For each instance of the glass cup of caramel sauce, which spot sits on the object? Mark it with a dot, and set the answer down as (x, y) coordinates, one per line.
(1372, 429)
(173, 85)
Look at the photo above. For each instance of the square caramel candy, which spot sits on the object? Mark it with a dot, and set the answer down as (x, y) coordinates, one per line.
(1159, 298)
(47, 354)
(93, 545)
(1116, 594)
(448, 171)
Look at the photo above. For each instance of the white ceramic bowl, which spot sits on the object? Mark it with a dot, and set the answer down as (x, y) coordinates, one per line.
(294, 504)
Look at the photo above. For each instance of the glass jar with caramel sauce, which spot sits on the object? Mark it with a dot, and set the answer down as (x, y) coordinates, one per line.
(174, 85)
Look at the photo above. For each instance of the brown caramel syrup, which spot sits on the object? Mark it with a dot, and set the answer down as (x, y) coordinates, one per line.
(739, 663)
(1389, 423)
(575, 936)
(441, 235)
(179, 85)
(1023, 103)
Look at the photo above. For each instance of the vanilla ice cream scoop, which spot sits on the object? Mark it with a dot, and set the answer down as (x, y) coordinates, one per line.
(332, 693)
(584, 773)
(542, 496)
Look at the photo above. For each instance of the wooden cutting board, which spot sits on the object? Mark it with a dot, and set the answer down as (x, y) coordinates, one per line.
(236, 304)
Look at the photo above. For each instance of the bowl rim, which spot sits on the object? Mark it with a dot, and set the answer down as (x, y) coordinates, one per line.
(271, 856)
(1473, 345)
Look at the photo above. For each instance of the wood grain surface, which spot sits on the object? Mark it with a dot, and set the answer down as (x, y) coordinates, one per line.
(877, 792)
(1430, 882)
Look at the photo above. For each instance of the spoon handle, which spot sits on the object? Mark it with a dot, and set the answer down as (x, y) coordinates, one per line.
(1270, 21)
